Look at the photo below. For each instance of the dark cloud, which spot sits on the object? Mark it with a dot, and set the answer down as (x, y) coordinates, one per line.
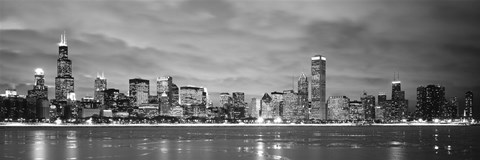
(249, 46)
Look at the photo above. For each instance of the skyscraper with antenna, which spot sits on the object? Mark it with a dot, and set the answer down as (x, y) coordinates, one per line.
(64, 82)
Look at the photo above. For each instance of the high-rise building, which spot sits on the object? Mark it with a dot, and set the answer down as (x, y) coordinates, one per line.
(356, 111)
(111, 98)
(252, 108)
(468, 111)
(266, 109)
(64, 83)
(140, 90)
(450, 110)
(192, 95)
(303, 90)
(368, 103)
(238, 99)
(338, 108)
(167, 93)
(277, 104)
(382, 99)
(291, 108)
(399, 104)
(238, 104)
(37, 97)
(39, 89)
(319, 108)
(100, 85)
(225, 99)
(430, 101)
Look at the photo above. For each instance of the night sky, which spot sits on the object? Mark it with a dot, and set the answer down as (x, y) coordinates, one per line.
(253, 46)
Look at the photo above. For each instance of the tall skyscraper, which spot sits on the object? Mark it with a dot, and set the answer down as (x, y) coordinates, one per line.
(319, 108)
(430, 101)
(100, 86)
(140, 90)
(399, 104)
(64, 83)
(468, 111)
(303, 90)
(368, 103)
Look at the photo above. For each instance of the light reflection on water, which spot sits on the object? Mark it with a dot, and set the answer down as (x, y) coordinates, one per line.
(241, 143)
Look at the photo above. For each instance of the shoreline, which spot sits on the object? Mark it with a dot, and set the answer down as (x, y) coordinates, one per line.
(48, 125)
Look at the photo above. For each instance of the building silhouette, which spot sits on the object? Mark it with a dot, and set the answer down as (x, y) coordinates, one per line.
(319, 108)
(140, 90)
(64, 82)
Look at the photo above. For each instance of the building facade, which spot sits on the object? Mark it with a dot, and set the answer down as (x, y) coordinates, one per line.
(368, 103)
(140, 90)
(430, 101)
(468, 111)
(318, 109)
(338, 108)
(100, 85)
(302, 90)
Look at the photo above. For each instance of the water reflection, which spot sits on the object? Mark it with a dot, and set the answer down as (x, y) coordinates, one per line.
(39, 146)
(240, 143)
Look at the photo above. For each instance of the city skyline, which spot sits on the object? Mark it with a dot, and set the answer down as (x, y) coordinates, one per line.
(363, 53)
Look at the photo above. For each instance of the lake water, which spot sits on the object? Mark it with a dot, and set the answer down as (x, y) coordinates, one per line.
(232, 143)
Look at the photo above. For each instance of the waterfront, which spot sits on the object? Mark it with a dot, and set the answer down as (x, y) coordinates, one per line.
(247, 142)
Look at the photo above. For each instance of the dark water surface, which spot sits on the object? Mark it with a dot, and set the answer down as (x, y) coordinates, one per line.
(232, 143)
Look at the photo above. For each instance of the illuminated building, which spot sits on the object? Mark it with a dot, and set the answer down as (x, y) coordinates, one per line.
(253, 108)
(302, 90)
(398, 103)
(382, 99)
(194, 100)
(338, 108)
(140, 90)
(167, 93)
(37, 97)
(238, 105)
(225, 99)
(111, 98)
(356, 112)
(64, 83)
(319, 108)
(277, 104)
(266, 109)
(468, 111)
(430, 101)
(368, 103)
(291, 108)
(100, 86)
(450, 110)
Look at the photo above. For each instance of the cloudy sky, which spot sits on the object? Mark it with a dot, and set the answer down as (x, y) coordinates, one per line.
(254, 46)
